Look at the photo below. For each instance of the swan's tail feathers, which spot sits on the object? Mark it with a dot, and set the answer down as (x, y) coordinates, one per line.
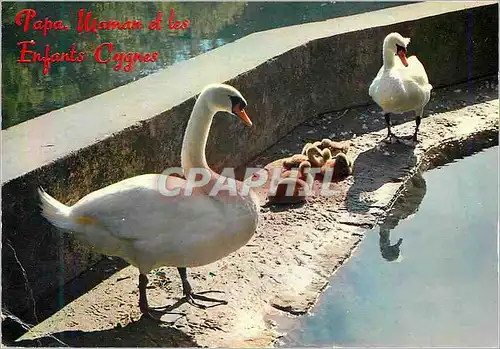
(55, 212)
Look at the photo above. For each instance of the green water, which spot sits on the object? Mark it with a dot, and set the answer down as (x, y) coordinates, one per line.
(439, 287)
(28, 93)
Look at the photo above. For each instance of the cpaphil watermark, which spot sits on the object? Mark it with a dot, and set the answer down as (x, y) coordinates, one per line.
(204, 181)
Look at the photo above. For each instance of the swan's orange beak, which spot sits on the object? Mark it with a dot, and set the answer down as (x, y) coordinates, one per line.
(242, 115)
(402, 56)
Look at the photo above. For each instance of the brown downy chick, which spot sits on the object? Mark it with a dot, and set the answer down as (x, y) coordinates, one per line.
(294, 161)
(308, 145)
(340, 165)
(299, 184)
(335, 147)
(318, 157)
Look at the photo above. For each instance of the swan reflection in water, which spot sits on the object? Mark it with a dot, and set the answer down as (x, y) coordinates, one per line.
(406, 205)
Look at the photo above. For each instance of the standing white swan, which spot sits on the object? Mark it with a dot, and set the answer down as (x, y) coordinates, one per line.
(132, 219)
(400, 85)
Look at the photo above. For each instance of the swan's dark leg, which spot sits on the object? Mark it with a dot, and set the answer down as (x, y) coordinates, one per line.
(387, 117)
(190, 296)
(143, 300)
(390, 135)
(418, 119)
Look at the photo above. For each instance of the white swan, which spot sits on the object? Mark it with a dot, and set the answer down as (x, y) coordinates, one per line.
(133, 220)
(400, 85)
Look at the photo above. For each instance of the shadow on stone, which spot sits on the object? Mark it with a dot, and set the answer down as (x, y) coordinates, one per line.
(50, 302)
(141, 333)
(376, 167)
(283, 207)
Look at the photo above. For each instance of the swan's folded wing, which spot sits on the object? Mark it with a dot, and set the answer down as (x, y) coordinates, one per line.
(415, 71)
(137, 210)
(372, 90)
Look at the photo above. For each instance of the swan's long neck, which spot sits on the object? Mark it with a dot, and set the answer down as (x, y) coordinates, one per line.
(388, 56)
(196, 136)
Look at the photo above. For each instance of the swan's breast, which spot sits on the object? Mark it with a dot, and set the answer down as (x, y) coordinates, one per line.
(205, 240)
(217, 228)
(391, 93)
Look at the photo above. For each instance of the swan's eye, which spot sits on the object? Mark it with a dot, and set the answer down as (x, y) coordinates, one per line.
(237, 101)
(400, 48)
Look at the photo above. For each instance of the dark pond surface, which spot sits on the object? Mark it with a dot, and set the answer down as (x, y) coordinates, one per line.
(438, 286)
(27, 92)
